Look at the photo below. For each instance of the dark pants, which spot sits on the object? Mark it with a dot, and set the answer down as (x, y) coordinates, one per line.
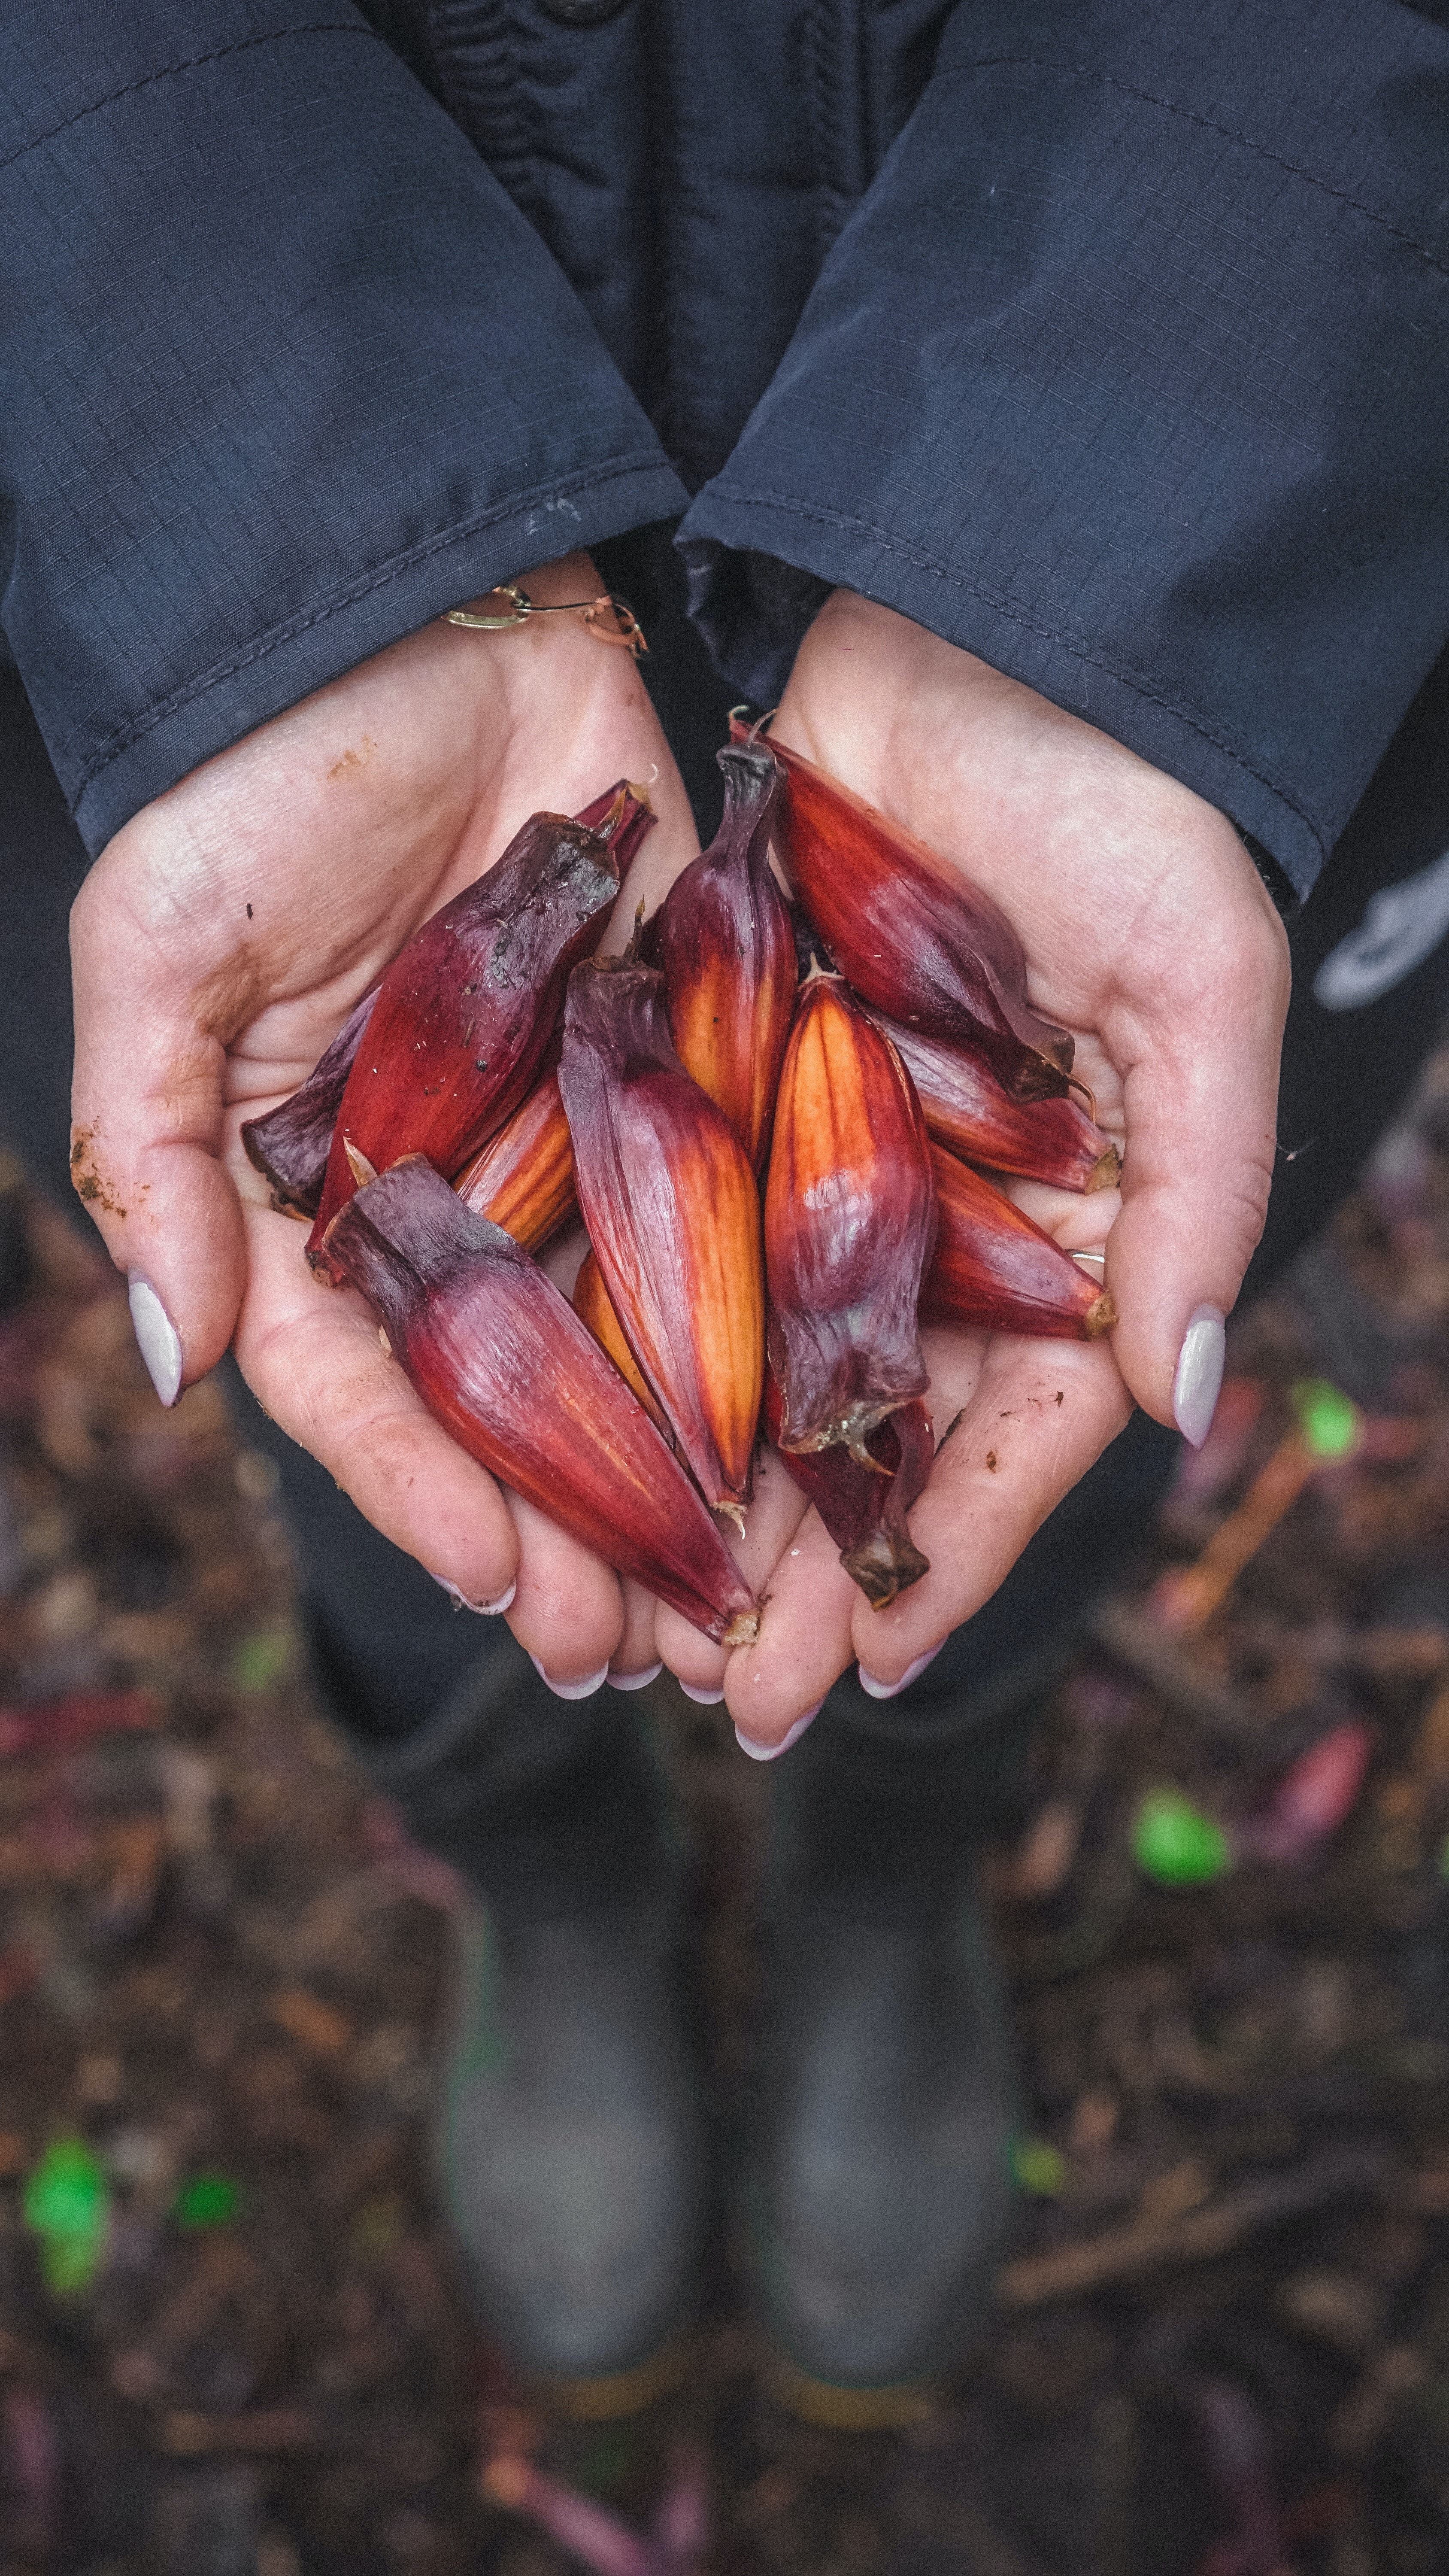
(393, 1649)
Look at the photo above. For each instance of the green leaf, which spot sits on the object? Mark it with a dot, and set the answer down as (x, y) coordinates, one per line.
(261, 1659)
(207, 2200)
(1038, 2167)
(1328, 1419)
(1175, 1844)
(67, 2204)
(71, 2263)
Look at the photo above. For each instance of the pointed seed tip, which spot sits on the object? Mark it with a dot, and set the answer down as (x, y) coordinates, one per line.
(744, 1628)
(884, 1566)
(861, 1454)
(358, 1165)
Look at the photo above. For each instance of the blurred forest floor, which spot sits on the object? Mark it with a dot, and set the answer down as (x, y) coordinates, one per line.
(231, 2343)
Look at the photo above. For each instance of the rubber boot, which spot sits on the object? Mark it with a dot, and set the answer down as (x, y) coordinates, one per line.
(570, 2146)
(878, 2193)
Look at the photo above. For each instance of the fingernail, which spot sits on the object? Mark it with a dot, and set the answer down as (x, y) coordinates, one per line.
(890, 1690)
(772, 1752)
(572, 1690)
(460, 1600)
(706, 1698)
(1199, 1373)
(637, 1681)
(156, 1337)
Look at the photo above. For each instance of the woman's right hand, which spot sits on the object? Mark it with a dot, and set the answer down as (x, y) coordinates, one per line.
(219, 943)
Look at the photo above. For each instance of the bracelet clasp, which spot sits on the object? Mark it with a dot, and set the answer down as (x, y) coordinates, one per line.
(626, 629)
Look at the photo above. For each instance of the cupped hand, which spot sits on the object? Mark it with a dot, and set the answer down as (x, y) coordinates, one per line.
(1149, 935)
(219, 943)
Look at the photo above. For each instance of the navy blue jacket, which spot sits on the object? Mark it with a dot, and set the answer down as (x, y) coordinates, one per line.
(1108, 338)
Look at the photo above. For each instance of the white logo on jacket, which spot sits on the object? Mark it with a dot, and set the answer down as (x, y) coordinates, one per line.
(1396, 933)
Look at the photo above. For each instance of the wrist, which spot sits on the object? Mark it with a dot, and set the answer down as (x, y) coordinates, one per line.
(604, 616)
(549, 585)
(870, 677)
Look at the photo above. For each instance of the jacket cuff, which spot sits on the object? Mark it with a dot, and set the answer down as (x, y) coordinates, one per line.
(283, 374)
(269, 672)
(1129, 376)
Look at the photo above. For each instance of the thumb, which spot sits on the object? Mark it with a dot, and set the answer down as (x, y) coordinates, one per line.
(146, 1110)
(1198, 1047)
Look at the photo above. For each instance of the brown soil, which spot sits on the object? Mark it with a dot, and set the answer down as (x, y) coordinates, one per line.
(1223, 2344)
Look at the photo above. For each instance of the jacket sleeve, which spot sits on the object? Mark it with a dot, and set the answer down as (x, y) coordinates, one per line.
(283, 374)
(1130, 374)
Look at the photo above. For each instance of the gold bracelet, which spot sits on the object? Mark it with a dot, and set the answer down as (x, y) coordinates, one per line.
(626, 629)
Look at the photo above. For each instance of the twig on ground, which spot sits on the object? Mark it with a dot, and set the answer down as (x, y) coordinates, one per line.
(597, 2537)
(1150, 2245)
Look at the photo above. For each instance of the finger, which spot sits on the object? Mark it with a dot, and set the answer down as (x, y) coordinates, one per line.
(697, 1664)
(146, 1107)
(635, 1659)
(804, 1642)
(809, 1601)
(312, 1356)
(568, 1612)
(1077, 1221)
(771, 1519)
(1011, 1452)
(1041, 1412)
(1197, 1043)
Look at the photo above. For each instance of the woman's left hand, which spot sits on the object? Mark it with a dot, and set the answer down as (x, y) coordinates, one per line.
(1149, 935)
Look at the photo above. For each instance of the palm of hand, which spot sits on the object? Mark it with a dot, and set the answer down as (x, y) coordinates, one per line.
(226, 933)
(1148, 935)
(219, 943)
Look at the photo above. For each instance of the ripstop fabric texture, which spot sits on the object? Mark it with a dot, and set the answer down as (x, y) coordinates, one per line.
(1108, 341)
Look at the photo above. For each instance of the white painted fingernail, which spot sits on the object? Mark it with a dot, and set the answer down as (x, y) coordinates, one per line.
(706, 1698)
(772, 1752)
(1199, 1373)
(485, 1609)
(572, 1690)
(637, 1681)
(156, 1337)
(890, 1690)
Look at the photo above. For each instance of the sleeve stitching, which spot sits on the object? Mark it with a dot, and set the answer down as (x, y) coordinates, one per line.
(1210, 125)
(193, 62)
(290, 628)
(1004, 606)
